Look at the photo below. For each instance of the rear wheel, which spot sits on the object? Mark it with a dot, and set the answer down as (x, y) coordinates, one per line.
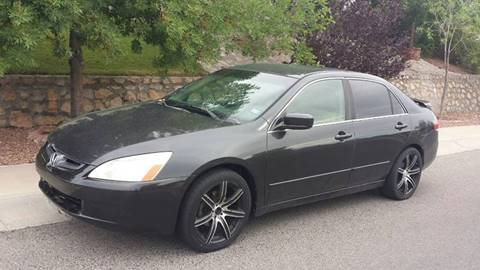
(405, 175)
(215, 210)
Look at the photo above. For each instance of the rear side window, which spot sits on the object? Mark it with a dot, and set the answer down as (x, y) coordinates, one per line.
(370, 99)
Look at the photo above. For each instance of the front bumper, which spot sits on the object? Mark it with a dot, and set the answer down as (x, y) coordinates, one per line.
(146, 206)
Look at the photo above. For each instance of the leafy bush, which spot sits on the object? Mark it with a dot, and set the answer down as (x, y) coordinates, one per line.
(365, 37)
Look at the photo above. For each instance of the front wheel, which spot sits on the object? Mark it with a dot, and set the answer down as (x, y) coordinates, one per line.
(405, 175)
(215, 210)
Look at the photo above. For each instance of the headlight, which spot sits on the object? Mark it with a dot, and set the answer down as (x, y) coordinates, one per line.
(134, 168)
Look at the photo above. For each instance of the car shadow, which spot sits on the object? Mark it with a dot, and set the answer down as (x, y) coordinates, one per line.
(155, 244)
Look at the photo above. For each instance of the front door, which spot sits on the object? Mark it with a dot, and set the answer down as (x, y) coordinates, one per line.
(303, 163)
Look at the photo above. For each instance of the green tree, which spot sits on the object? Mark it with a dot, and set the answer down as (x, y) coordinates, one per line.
(186, 32)
(415, 14)
(17, 36)
(454, 21)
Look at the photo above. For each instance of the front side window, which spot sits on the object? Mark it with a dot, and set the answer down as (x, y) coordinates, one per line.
(236, 95)
(370, 99)
(324, 100)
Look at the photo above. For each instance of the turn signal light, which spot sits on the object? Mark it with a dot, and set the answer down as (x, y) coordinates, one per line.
(436, 125)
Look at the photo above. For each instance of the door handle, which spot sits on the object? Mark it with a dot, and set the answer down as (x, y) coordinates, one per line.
(400, 126)
(342, 136)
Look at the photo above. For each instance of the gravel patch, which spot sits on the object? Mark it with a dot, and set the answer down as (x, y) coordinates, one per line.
(460, 119)
(18, 146)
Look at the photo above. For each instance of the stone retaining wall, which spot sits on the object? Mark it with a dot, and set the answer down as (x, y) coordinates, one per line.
(463, 94)
(27, 100)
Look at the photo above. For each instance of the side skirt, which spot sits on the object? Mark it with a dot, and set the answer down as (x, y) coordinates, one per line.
(317, 197)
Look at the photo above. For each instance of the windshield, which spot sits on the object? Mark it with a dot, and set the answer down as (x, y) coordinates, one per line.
(235, 95)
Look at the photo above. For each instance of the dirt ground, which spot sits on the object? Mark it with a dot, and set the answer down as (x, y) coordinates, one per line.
(19, 145)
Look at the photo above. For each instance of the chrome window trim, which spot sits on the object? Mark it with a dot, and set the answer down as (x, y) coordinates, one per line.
(277, 116)
(327, 173)
(346, 121)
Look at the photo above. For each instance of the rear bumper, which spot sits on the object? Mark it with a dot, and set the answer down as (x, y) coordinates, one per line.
(151, 206)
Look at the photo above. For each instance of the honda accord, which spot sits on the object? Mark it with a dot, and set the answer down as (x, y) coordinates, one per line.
(237, 144)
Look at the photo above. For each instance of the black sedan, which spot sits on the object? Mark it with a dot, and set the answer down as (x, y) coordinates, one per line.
(238, 143)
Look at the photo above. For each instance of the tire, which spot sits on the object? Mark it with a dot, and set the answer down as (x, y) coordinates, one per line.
(404, 177)
(210, 218)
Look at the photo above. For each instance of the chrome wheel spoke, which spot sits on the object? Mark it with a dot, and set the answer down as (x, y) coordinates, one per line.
(407, 161)
(234, 213)
(208, 201)
(400, 170)
(211, 233)
(405, 187)
(226, 229)
(412, 164)
(401, 183)
(411, 182)
(223, 191)
(238, 194)
(414, 171)
(203, 220)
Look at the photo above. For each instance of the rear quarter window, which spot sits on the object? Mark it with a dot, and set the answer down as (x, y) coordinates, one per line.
(396, 106)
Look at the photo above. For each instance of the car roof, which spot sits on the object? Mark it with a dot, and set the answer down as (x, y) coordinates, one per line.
(290, 70)
(300, 71)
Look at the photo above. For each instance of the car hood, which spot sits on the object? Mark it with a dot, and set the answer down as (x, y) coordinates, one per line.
(89, 137)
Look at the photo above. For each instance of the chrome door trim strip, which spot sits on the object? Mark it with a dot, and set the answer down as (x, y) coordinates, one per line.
(307, 177)
(328, 173)
(370, 165)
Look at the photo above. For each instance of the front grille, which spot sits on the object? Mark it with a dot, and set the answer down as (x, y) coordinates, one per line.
(64, 163)
(69, 203)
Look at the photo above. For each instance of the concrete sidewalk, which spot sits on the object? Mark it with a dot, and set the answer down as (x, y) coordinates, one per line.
(23, 205)
(458, 139)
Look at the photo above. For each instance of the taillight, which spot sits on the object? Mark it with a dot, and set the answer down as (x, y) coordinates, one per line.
(436, 125)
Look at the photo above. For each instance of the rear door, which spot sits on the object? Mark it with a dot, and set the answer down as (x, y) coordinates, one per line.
(303, 163)
(382, 128)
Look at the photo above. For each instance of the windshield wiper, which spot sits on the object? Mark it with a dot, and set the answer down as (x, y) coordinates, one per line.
(189, 107)
(164, 102)
(208, 111)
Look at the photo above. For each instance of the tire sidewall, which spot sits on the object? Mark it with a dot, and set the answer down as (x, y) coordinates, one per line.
(393, 176)
(192, 203)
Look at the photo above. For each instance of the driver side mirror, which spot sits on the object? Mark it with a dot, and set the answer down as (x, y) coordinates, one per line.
(295, 121)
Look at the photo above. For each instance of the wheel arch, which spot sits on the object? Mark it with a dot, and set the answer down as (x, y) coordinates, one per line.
(411, 145)
(418, 147)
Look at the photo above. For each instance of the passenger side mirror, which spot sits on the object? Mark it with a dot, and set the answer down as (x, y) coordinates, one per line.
(295, 121)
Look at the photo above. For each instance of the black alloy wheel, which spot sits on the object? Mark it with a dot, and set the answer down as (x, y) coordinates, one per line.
(216, 209)
(405, 175)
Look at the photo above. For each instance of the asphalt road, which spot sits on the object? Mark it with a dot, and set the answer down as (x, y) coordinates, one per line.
(438, 228)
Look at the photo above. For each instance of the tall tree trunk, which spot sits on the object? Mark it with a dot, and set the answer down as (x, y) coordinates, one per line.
(445, 83)
(76, 73)
(413, 34)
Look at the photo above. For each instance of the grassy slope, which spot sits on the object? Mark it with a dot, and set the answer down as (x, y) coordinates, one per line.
(97, 62)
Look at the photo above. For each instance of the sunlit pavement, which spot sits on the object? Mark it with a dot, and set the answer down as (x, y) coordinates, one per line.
(436, 229)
